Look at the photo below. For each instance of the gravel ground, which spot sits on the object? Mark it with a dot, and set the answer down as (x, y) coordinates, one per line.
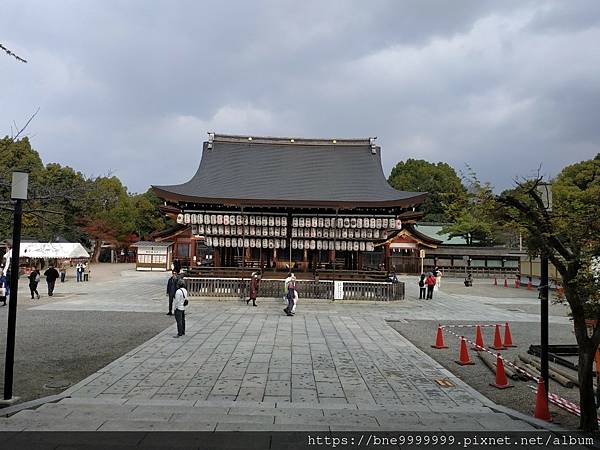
(64, 347)
(521, 397)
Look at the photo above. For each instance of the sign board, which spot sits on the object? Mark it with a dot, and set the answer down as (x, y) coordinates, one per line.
(338, 290)
(422, 254)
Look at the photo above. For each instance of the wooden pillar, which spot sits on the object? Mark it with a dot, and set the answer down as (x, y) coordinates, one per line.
(387, 256)
(217, 257)
(359, 265)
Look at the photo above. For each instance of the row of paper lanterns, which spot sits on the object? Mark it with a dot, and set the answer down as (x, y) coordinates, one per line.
(299, 244)
(297, 222)
(319, 233)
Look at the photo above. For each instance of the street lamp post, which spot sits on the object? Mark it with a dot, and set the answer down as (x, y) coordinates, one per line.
(18, 193)
(545, 193)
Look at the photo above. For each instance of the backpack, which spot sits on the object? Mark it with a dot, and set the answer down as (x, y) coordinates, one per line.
(422, 282)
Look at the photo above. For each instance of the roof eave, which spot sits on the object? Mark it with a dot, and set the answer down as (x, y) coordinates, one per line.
(404, 202)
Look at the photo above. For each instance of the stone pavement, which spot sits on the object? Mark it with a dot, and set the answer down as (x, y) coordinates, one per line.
(334, 366)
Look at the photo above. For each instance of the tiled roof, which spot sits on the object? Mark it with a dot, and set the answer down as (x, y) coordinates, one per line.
(287, 171)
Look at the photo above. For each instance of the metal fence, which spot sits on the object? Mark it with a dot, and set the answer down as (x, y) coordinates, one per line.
(240, 288)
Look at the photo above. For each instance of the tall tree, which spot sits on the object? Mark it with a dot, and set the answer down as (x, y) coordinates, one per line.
(569, 235)
(439, 180)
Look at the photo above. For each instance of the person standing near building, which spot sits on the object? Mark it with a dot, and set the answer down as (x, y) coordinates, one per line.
(51, 276)
(430, 282)
(34, 279)
(78, 272)
(171, 289)
(63, 273)
(438, 278)
(177, 266)
(290, 283)
(253, 289)
(180, 303)
(422, 287)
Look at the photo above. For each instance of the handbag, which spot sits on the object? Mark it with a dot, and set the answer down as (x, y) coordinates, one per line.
(185, 300)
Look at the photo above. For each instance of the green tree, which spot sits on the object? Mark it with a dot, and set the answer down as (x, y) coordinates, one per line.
(148, 217)
(439, 180)
(569, 235)
(471, 214)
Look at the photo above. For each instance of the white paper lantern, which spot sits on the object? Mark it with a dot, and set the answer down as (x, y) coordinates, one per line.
(369, 246)
(201, 229)
(344, 234)
(234, 242)
(252, 243)
(219, 219)
(355, 246)
(398, 224)
(252, 220)
(221, 229)
(221, 242)
(252, 230)
(327, 222)
(179, 218)
(283, 231)
(319, 233)
(369, 234)
(271, 221)
(231, 219)
(208, 241)
(246, 220)
(265, 243)
(340, 222)
(226, 230)
(277, 221)
(193, 219)
(227, 242)
(186, 218)
(295, 222)
(225, 220)
(313, 232)
(194, 229)
(320, 222)
(350, 233)
(294, 244)
(246, 242)
(343, 246)
(314, 222)
(294, 232)
(277, 245)
(284, 222)
(270, 243)
(319, 245)
(375, 234)
(353, 222)
(346, 222)
(200, 219)
(363, 233)
(301, 222)
(361, 246)
(326, 245)
(359, 222)
(338, 245)
(378, 223)
(238, 220)
(326, 233)
(372, 222)
(283, 243)
(276, 230)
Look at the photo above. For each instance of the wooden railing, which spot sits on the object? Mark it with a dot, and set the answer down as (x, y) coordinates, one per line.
(323, 290)
(478, 272)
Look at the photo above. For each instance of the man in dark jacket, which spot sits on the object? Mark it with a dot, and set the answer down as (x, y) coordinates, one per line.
(171, 289)
(51, 276)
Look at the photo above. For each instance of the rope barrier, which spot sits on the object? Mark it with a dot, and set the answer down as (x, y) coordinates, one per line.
(563, 403)
(467, 326)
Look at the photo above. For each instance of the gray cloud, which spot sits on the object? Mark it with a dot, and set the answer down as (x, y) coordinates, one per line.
(133, 87)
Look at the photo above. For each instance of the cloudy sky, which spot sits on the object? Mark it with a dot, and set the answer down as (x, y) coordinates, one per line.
(132, 87)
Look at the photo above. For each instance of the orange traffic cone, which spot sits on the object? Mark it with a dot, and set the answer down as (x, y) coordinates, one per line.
(439, 339)
(517, 284)
(529, 287)
(464, 358)
(497, 339)
(541, 403)
(507, 336)
(501, 380)
(505, 282)
(478, 339)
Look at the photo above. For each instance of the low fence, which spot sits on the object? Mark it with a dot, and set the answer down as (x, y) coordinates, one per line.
(322, 289)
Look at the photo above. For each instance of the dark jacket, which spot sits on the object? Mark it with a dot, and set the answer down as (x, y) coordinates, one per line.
(172, 286)
(51, 274)
(33, 277)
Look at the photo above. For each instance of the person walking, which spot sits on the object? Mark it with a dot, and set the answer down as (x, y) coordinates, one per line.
(253, 289)
(34, 279)
(181, 302)
(430, 282)
(51, 276)
(4, 290)
(78, 272)
(171, 289)
(438, 279)
(63, 273)
(422, 288)
(290, 283)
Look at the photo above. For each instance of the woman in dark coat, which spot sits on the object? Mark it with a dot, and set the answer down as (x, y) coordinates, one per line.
(34, 279)
(253, 289)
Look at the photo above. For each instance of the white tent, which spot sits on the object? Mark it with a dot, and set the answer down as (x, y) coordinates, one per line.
(53, 250)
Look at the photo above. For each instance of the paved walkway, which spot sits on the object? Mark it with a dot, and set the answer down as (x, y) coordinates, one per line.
(333, 366)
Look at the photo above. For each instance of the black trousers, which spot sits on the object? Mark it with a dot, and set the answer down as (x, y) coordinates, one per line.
(429, 292)
(171, 297)
(422, 291)
(33, 289)
(51, 287)
(180, 319)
